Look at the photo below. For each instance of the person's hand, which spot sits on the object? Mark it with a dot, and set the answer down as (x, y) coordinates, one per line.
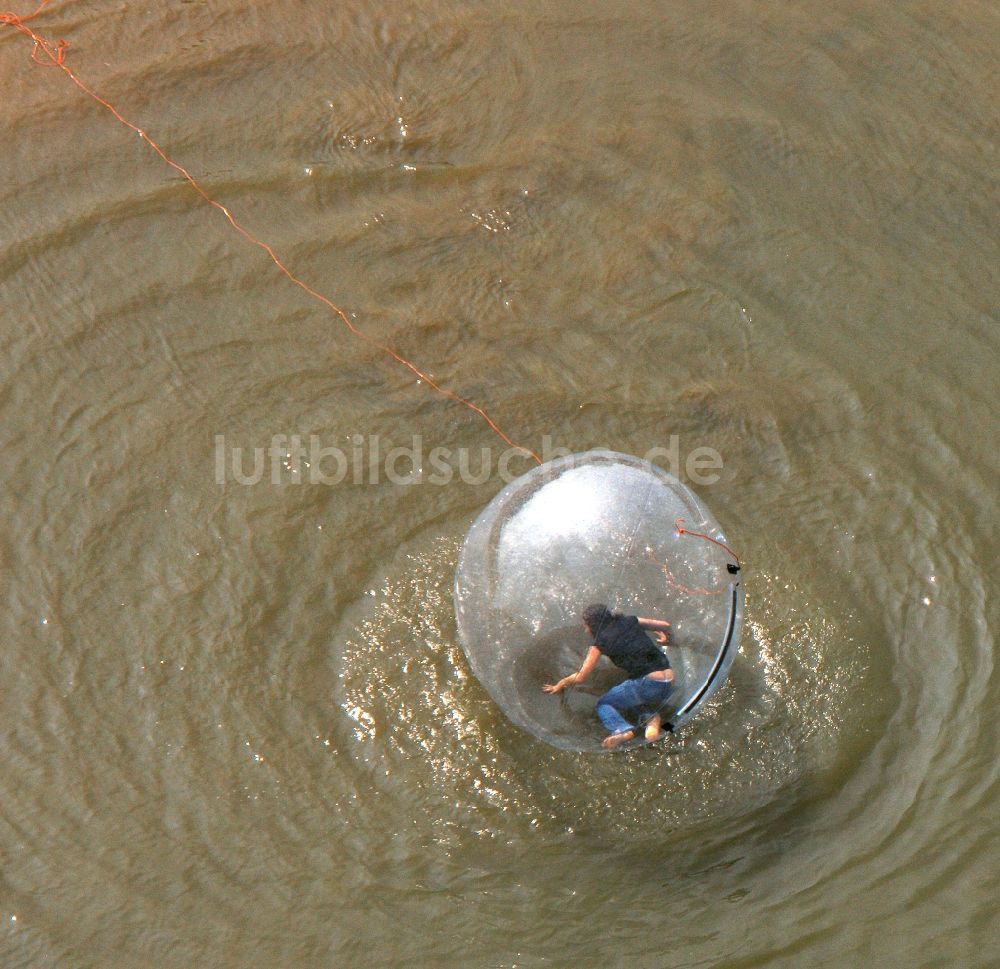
(560, 686)
(662, 638)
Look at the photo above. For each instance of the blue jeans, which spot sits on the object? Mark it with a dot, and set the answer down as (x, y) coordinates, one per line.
(630, 695)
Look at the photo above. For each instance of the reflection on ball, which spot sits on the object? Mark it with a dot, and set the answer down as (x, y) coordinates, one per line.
(594, 527)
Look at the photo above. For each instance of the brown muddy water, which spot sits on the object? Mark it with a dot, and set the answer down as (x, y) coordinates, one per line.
(237, 727)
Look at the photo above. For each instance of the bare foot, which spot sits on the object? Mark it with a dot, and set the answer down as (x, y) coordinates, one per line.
(654, 729)
(615, 739)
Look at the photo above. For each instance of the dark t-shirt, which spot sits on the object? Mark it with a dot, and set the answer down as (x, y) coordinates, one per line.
(626, 644)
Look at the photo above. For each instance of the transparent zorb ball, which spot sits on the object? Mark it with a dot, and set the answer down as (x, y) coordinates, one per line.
(599, 527)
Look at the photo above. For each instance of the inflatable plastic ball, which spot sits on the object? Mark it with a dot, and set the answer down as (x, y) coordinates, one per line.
(599, 527)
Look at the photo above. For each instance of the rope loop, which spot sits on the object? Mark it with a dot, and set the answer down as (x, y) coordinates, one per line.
(681, 530)
(55, 55)
(13, 20)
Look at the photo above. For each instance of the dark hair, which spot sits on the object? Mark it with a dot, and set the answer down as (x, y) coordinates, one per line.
(598, 616)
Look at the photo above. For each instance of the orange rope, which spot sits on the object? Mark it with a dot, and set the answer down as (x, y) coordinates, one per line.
(669, 575)
(56, 58)
(678, 524)
(686, 589)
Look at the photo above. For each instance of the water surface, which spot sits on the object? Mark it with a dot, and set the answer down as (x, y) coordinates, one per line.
(238, 729)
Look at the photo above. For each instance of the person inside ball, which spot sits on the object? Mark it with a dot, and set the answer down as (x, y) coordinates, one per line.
(624, 640)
